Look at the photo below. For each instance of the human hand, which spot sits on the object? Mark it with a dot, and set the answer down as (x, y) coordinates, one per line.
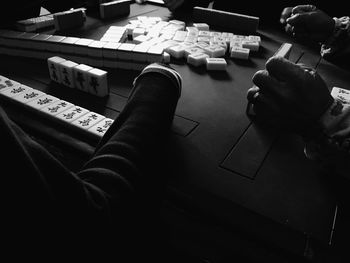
(289, 94)
(173, 4)
(286, 13)
(306, 21)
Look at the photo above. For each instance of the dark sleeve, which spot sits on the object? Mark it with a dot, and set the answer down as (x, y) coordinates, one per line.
(105, 197)
(55, 6)
(187, 7)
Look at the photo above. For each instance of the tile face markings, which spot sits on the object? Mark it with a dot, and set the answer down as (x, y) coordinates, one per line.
(101, 127)
(72, 114)
(28, 95)
(56, 107)
(42, 101)
(97, 82)
(81, 76)
(88, 120)
(15, 91)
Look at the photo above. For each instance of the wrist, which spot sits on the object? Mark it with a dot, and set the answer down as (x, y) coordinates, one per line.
(338, 38)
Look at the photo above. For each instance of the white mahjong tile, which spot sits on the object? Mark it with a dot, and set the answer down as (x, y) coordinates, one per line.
(177, 51)
(202, 45)
(2, 79)
(177, 22)
(109, 51)
(215, 51)
(9, 83)
(53, 67)
(202, 33)
(125, 51)
(53, 43)
(235, 43)
(155, 54)
(215, 34)
(3, 83)
(153, 33)
(42, 101)
(137, 32)
(192, 29)
(193, 50)
(14, 90)
(39, 41)
(72, 113)
(81, 46)
(201, 26)
(98, 83)
(67, 45)
(28, 95)
(227, 35)
(88, 120)
(111, 38)
(180, 36)
(254, 38)
(238, 52)
(191, 39)
(81, 77)
(240, 37)
(166, 58)
(216, 64)
(140, 52)
(341, 94)
(56, 107)
(197, 59)
(252, 45)
(95, 49)
(140, 39)
(25, 40)
(66, 71)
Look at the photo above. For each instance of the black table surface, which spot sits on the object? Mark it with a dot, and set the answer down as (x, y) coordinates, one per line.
(221, 163)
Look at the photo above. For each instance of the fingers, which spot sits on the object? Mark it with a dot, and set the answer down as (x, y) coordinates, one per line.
(265, 82)
(252, 94)
(297, 20)
(284, 70)
(286, 12)
(303, 9)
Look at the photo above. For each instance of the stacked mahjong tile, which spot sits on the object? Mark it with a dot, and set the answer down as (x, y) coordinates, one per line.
(80, 76)
(81, 119)
(61, 21)
(195, 43)
(81, 50)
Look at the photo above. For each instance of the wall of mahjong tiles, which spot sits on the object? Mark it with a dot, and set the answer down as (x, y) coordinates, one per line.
(210, 127)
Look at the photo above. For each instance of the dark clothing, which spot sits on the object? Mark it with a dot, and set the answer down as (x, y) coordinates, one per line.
(22, 9)
(268, 11)
(105, 208)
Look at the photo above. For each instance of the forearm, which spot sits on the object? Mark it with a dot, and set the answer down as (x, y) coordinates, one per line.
(133, 144)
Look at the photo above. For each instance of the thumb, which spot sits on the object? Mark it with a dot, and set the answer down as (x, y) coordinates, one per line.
(283, 69)
(298, 19)
(303, 9)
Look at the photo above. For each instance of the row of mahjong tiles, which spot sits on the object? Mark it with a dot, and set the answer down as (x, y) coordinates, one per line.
(91, 122)
(217, 46)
